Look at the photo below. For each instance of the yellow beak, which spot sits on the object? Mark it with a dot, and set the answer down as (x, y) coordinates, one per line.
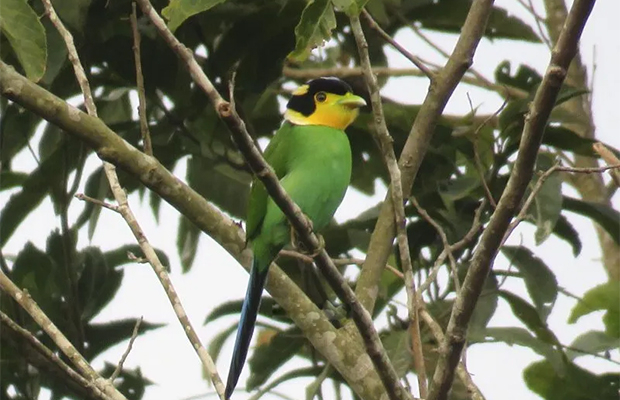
(350, 100)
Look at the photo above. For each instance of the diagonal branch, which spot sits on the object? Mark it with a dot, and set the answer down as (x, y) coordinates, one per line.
(387, 149)
(343, 350)
(482, 261)
(440, 90)
(27, 303)
(299, 222)
(37, 354)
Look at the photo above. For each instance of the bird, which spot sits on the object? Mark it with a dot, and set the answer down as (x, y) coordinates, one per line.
(311, 156)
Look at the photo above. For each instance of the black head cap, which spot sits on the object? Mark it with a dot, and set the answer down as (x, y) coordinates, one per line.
(303, 100)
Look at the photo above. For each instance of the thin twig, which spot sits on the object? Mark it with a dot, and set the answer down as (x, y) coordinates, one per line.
(478, 78)
(134, 335)
(529, 6)
(415, 60)
(540, 182)
(461, 371)
(444, 239)
(610, 158)
(417, 144)
(300, 223)
(387, 150)
(31, 307)
(144, 125)
(478, 161)
(123, 208)
(491, 240)
(465, 240)
(41, 357)
(83, 197)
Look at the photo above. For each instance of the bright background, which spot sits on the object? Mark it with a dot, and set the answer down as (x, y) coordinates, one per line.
(166, 356)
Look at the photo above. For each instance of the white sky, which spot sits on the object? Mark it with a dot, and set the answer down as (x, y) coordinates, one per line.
(167, 358)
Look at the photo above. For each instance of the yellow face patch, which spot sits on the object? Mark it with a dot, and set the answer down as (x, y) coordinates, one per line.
(333, 110)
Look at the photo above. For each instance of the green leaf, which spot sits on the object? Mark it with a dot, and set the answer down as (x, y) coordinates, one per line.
(592, 342)
(98, 282)
(215, 346)
(234, 307)
(220, 183)
(485, 306)
(10, 179)
(101, 337)
(607, 217)
(574, 383)
(548, 200)
(530, 317)
(602, 297)
(522, 337)
(449, 16)
(350, 7)
(268, 357)
(315, 27)
(565, 139)
(541, 283)
(187, 242)
(36, 187)
(398, 348)
(524, 77)
(16, 129)
(179, 10)
(21, 25)
(73, 12)
(565, 231)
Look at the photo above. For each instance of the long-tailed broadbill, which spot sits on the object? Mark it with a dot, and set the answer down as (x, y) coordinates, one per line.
(311, 157)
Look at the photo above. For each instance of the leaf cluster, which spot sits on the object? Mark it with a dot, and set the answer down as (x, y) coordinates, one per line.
(470, 158)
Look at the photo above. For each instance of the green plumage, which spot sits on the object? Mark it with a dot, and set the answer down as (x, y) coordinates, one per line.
(313, 163)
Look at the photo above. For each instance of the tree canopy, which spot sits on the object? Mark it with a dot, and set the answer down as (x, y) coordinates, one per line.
(458, 186)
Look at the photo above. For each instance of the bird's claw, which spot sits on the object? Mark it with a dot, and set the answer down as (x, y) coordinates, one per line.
(297, 245)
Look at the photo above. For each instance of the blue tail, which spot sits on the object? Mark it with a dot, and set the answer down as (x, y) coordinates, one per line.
(246, 324)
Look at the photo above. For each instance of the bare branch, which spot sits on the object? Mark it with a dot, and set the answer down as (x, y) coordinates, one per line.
(461, 371)
(345, 352)
(441, 88)
(523, 169)
(123, 208)
(387, 150)
(134, 335)
(299, 222)
(37, 354)
(31, 307)
(83, 197)
(415, 60)
(144, 125)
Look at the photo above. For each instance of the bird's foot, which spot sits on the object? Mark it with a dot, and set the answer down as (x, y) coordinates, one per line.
(320, 248)
(299, 246)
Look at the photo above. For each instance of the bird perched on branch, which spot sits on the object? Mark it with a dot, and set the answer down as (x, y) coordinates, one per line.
(311, 156)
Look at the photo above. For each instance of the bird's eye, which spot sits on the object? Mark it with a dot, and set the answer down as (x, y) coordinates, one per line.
(320, 97)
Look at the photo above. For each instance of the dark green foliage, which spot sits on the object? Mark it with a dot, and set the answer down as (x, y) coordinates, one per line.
(256, 39)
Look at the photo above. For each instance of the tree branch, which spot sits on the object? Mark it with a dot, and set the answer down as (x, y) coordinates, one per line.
(386, 146)
(340, 348)
(31, 307)
(521, 175)
(38, 355)
(440, 90)
(298, 221)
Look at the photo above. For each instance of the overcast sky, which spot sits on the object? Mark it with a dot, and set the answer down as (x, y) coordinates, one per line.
(167, 358)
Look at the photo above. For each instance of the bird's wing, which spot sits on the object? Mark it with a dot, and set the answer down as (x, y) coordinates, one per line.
(276, 156)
